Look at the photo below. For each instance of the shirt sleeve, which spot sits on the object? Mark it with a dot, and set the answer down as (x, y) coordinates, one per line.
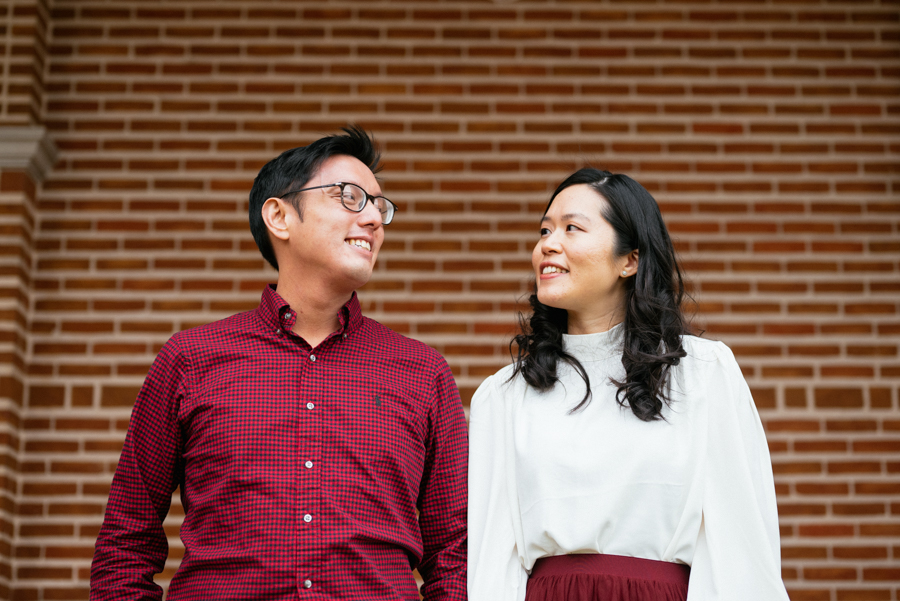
(132, 545)
(495, 571)
(738, 556)
(442, 497)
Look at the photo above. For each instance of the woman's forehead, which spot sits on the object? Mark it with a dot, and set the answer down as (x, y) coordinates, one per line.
(580, 198)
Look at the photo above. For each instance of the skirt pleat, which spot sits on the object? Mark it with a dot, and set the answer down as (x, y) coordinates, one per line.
(606, 578)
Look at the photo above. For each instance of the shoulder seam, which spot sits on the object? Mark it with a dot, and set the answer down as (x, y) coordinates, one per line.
(188, 362)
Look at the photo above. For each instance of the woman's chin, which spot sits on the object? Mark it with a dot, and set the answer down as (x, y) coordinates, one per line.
(554, 301)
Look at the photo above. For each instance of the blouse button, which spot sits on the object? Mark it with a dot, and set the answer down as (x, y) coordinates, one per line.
(307, 518)
(312, 358)
(278, 331)
(307, 584)
(310, 406)
(308, 464)
(287, 315)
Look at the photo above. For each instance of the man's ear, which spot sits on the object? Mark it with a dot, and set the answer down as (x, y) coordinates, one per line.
(275, 216)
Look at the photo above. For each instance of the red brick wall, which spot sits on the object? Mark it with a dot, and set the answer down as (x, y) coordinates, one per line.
(767, 130)
(23, 57)
(23, 160)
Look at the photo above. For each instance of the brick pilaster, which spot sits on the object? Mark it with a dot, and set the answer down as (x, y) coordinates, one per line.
(25, 157)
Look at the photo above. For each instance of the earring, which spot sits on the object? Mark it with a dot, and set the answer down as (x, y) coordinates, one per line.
(624, 273)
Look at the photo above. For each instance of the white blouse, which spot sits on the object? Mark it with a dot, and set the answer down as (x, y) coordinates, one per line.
(694, 488)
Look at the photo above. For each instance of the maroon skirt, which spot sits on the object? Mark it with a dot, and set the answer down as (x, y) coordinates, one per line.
(606, 578)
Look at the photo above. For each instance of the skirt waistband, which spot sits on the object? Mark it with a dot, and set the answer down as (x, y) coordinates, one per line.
(612, 565)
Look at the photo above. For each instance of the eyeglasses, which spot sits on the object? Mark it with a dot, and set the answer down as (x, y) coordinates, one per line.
(355, 198)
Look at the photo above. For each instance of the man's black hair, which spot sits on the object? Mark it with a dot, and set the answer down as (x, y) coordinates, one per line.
(293, 168)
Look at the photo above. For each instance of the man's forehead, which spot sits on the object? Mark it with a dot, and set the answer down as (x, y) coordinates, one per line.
(345, 168)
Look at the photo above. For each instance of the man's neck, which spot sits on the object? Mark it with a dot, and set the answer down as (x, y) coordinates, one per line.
(316, 308)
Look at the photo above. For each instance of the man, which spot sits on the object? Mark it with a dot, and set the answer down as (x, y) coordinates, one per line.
(305, 437)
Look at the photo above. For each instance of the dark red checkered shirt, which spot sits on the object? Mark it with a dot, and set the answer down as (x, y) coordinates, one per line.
(301, 470)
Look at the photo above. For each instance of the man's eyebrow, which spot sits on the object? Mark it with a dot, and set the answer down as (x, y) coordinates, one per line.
(359, 185)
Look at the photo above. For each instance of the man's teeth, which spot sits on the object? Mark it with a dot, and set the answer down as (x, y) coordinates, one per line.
(552, 269)
(359, 243)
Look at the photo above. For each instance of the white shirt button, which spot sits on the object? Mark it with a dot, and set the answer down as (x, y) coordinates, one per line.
(310, 406)
(307, 518)
(278, 331)
(308, 464)
(287, 315)
(345, 335)
(307, 584)
(312, 357)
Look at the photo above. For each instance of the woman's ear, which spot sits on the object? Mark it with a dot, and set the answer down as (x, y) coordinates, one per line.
(275, 216)
(629, 264)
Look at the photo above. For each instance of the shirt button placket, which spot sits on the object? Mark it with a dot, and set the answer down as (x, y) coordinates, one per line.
(310, 374)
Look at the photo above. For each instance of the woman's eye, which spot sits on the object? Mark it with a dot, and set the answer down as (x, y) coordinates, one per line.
(571, 228)
(544, 231)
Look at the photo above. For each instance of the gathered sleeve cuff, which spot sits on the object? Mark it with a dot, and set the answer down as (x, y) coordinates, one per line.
(495, 570)
(738, 556)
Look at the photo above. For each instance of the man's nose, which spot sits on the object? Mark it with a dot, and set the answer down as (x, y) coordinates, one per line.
(370, 215)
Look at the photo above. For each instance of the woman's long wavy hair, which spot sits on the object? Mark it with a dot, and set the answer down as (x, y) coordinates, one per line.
(654, 321)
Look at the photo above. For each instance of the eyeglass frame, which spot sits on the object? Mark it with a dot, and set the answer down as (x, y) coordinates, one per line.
(341, 185)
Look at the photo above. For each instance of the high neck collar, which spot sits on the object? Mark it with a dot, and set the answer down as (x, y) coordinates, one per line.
(595, 347)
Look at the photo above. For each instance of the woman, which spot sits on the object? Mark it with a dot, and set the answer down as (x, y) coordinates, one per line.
(618, 458)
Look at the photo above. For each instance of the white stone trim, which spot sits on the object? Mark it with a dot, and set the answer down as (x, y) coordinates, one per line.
(27, 147)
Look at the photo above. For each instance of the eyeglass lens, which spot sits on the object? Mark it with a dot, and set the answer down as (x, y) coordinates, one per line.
(354, 198)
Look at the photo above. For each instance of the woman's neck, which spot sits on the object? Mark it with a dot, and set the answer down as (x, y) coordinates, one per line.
(595, 322)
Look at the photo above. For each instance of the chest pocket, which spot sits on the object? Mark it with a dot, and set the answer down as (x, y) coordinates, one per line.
(404, 418)
(379, 429)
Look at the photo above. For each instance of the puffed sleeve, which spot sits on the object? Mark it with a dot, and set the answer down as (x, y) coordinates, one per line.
(738, 555)
(495, 572)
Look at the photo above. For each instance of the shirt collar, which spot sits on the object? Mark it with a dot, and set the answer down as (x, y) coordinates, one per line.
(276, 313)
